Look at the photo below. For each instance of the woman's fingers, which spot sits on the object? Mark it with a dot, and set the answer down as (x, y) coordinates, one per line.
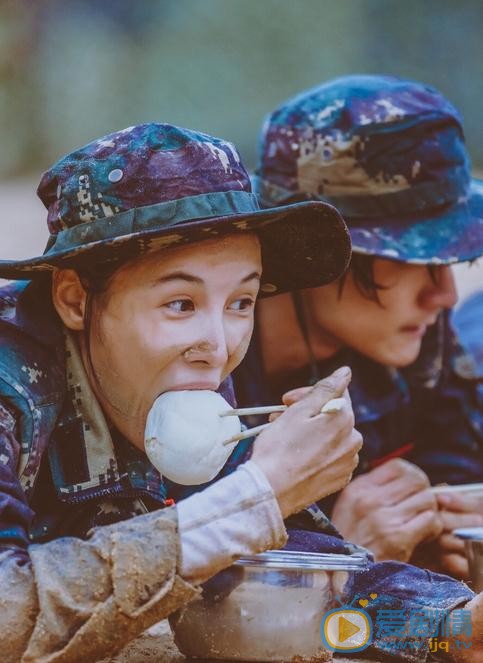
(325, 390)
(294, 395)
(307, 455)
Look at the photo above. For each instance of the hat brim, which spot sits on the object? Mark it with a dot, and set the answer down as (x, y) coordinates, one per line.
(451, 235)
(304, 245)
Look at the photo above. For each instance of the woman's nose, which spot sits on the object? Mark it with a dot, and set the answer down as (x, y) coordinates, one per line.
(441, 292)
(211, 345)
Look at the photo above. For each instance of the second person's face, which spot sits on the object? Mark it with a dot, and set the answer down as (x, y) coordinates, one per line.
(390, 332)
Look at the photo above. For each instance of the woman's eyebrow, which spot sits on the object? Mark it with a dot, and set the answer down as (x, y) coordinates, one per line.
(185, 276)
(250, 277)
(177, 276)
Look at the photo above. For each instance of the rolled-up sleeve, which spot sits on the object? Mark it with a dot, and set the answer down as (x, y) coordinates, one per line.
(75, 599)
(72, 599)
(238, 515)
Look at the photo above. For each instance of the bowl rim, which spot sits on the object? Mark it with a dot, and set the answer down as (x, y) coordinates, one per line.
(300, 560)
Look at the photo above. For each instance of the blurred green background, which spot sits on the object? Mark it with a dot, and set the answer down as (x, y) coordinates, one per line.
(71, 70)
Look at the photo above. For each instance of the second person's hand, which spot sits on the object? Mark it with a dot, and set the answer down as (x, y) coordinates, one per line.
(389, 510)
(456, 511)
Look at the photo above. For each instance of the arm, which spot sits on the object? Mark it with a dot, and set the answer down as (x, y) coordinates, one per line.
(394, 586)
(137, 571)
(90, 597)
(72, 596)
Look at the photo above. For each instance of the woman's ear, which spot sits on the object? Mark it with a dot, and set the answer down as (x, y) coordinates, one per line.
(69, 297)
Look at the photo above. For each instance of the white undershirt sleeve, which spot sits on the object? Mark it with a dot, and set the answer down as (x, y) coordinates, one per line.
(238, 515)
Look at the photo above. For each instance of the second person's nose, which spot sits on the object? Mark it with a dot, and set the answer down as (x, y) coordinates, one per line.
(441, 292)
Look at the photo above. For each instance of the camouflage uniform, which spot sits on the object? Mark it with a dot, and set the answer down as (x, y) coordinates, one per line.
(58, 481)
(390, 154)
(92, 558)
(61, 471)
(429, 412)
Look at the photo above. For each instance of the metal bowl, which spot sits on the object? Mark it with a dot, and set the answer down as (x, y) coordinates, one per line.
(267, 607)
(473, 538)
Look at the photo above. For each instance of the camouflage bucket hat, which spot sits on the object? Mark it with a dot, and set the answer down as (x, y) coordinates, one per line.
(156, 186)
(390, 155)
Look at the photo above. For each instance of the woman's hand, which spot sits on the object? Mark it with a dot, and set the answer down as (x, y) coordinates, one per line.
(389, 510)
(307, 455)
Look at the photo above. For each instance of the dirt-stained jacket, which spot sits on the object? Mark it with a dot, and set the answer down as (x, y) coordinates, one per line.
(70, 592)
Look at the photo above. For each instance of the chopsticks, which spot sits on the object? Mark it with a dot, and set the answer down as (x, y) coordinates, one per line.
(462, 488)
(245, 411)
(246, 433)
(332, 406)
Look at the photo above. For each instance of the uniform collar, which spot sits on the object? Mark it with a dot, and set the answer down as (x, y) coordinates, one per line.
(88, 459)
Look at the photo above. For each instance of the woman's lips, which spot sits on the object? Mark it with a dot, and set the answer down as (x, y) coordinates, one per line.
(211, 386)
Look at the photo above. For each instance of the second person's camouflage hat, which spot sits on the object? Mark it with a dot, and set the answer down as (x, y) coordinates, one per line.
(390, 155)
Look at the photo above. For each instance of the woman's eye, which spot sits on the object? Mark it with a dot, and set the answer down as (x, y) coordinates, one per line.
(180, 305)
(242, 304)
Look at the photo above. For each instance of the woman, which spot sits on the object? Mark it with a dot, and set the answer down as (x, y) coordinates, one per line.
(147, 285)
(156, 259)
(390, 154)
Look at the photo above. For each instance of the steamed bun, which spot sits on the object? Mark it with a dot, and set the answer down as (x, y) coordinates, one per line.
(184, 435)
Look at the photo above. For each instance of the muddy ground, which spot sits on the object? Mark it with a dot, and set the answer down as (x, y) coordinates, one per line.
(157, 646)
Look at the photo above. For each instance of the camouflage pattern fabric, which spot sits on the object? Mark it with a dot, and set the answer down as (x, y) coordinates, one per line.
(155, 186)
(61, 459)
(78, 479)
(431, 411)
(389, 154)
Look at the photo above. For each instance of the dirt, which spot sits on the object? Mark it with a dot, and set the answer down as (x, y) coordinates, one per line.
(157, 646)
(322, 658)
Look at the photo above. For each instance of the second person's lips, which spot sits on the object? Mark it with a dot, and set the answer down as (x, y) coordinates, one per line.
(417, 330)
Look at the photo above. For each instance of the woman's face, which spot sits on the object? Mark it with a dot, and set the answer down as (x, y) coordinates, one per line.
(390, 333)
(178, 319)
